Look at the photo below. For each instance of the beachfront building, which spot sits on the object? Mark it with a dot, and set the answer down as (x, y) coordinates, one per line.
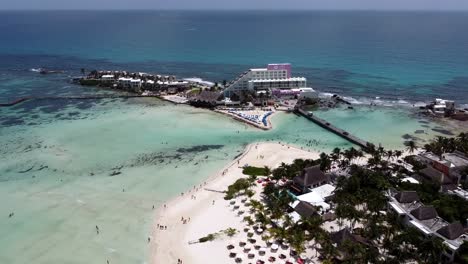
(449, 167)
(407, 205)
(295, 93)
(130, 83)
(443, 107)
(308, 179)
(274, 76)
(173, 87)
(107, 77)
(317, 198)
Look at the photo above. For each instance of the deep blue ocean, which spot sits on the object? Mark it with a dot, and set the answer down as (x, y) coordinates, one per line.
(411, 56)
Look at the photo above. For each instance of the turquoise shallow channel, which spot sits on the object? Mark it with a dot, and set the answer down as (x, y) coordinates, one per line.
(56, 176)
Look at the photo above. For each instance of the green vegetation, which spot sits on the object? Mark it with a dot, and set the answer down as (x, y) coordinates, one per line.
(443, 145)
(207, 238)
(256, 171)
(230, 232)
(417, 165)
(450, 207)
(462, 254)
(238, 186)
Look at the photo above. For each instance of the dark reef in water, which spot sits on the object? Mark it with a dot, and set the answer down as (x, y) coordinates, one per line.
(199, 148)
(409, 137)
(419, 132)
(443, 131)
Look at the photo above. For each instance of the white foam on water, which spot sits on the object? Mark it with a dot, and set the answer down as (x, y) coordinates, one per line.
(35, 69)
(200, 81)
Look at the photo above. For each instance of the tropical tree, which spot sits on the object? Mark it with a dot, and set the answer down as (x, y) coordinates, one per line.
(411, 146)
(398, 154)
(325, 162)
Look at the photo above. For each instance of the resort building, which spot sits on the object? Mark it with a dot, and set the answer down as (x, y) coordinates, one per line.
(448, 168)
(130, 83)
(295, 93)
(443, 107)
(309, 178)
(425, 219)
(274, 76)
(107, 77)
(317, 197)
(174, 86)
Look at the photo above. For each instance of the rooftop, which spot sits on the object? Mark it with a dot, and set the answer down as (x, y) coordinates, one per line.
(311, 176)
(425, 219)
(456, 159)
(292, 79)
(407, 197)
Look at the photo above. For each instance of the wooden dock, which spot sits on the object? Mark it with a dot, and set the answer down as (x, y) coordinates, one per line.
(340, 132)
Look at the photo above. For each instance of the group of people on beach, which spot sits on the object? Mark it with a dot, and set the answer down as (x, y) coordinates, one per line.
(161, 227)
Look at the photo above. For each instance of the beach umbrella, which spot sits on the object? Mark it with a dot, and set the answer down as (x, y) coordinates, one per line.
(230, 246)
(242, 243)
(246, 249)
(274, 246)
(262, 251)
(232, 254)
(282, 256)
(238, 260)
(251, 255)
(259, 230)
(272, 259)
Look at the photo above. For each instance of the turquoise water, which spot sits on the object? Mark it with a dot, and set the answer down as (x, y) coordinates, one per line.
(58, 156)
(56, 176)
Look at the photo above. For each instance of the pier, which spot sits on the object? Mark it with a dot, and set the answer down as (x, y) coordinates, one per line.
(340, 132)
(80, 97)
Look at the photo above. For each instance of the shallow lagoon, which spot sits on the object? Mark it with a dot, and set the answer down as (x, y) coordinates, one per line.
(56, 175)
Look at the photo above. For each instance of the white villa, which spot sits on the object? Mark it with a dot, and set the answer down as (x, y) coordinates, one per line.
(130, 83)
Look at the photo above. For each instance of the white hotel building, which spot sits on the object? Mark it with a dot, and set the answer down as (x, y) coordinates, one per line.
(275, 76)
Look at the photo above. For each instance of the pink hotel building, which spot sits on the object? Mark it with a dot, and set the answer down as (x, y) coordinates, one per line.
(273, 77)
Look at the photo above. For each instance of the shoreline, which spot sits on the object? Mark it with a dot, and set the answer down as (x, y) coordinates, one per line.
(169, 245)
(242, 120)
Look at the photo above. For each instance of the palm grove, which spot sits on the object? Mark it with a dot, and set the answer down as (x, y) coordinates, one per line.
(359, 197)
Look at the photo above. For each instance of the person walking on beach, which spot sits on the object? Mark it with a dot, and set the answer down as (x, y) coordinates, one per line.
(97, 230)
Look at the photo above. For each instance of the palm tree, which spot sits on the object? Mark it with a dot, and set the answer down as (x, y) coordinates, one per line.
(411, 146)
(325, 162)
(398, 154)
(389, 154)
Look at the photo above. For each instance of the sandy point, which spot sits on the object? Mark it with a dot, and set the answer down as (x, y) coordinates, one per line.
(205, 211)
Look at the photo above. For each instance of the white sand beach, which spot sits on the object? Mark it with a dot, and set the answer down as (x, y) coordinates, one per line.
(209, 212)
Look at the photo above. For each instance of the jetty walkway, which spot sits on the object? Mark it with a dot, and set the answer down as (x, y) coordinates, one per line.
(340, 132)
(80, 97)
